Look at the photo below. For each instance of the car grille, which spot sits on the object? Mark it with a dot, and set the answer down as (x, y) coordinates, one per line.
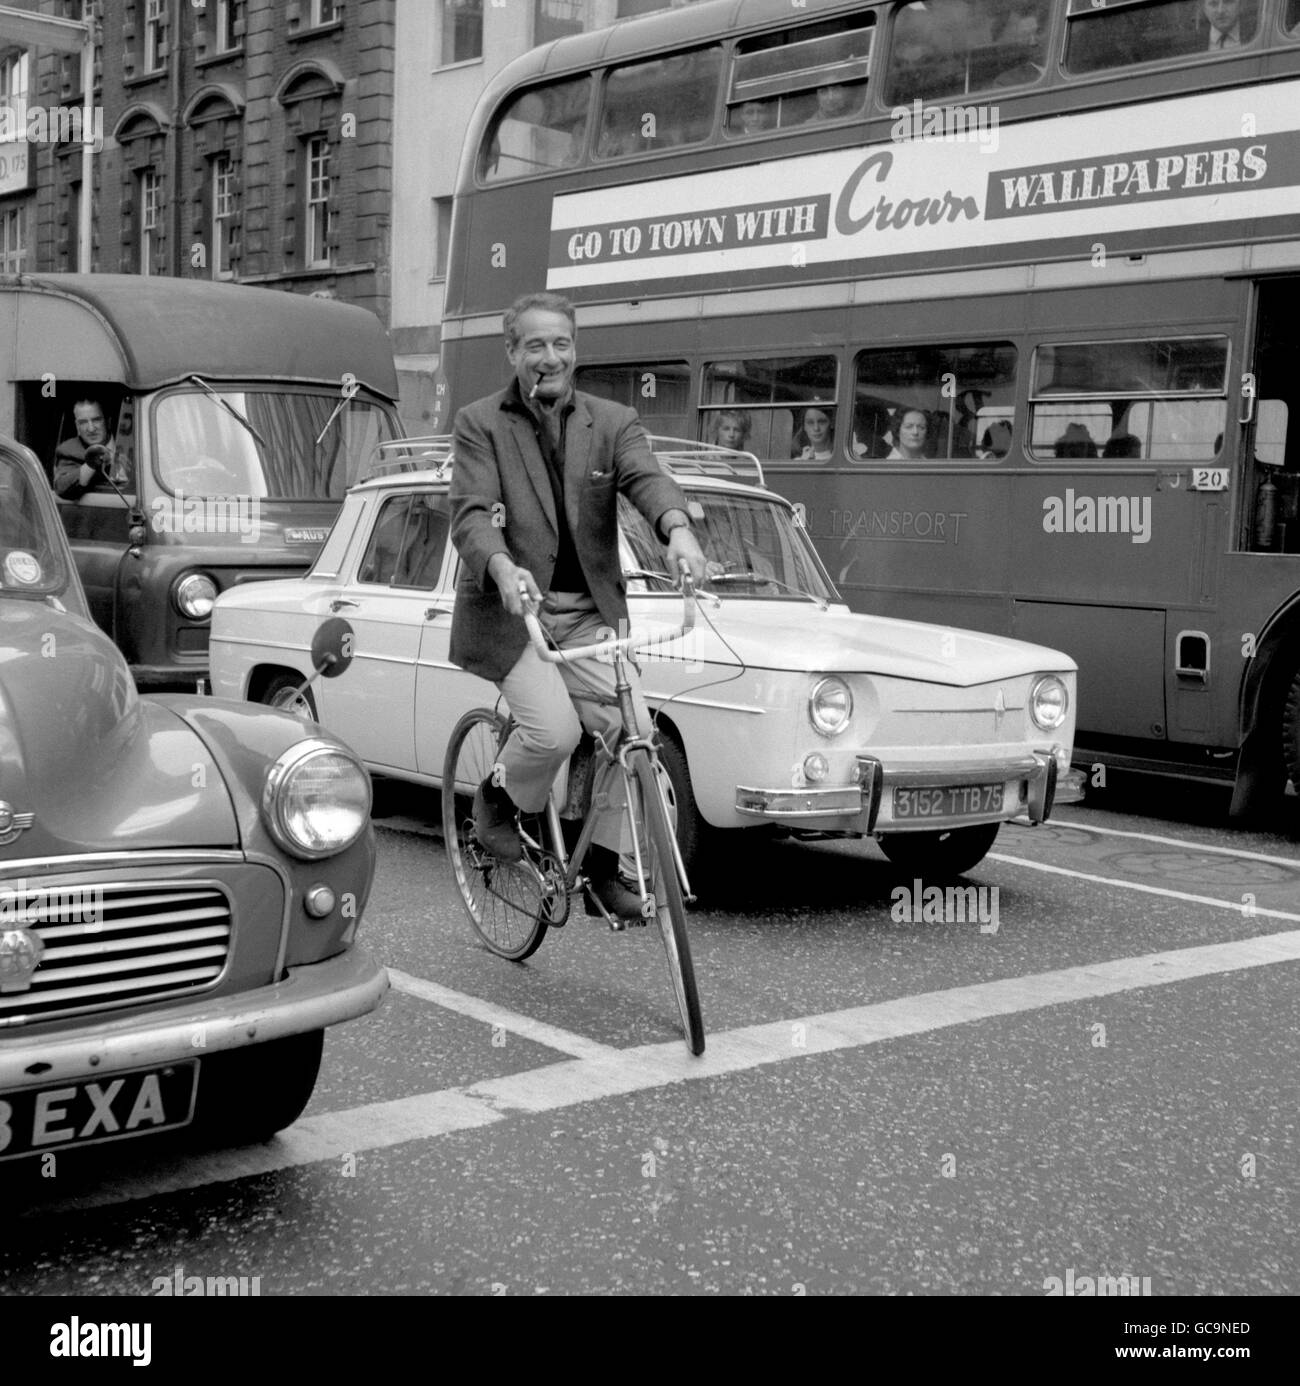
(118, 944)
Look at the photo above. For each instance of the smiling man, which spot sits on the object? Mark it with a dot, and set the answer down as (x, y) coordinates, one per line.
(538, 470)
(79, 461)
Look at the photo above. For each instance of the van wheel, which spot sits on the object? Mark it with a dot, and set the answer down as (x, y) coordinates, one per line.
(282, 692)
(1291, 731)
(949, 852)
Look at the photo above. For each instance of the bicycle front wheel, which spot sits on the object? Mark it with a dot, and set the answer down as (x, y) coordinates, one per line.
(670, 907)
(506, 901)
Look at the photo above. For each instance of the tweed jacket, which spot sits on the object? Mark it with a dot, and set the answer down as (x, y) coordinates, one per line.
(502, 502)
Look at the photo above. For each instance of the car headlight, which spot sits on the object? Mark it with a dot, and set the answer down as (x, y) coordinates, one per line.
(194, 595)
(316, 800)
(1049, 701)
(831, 706)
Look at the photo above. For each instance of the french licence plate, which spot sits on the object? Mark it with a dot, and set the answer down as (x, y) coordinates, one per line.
(34, 1120)
(948, 801)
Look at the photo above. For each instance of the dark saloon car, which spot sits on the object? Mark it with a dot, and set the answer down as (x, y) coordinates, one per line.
(181, 879)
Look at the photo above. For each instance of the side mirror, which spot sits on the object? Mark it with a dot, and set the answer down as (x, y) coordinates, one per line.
(332, 647)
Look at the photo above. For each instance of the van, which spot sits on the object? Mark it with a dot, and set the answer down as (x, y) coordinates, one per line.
(233, 421)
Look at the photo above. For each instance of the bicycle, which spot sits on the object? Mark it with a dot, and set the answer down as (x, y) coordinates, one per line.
(511, 905)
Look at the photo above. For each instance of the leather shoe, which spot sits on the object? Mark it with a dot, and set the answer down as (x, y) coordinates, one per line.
(496, 828)
(619, 897)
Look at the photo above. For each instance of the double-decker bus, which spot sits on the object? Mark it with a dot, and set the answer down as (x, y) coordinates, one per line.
(1004, 293)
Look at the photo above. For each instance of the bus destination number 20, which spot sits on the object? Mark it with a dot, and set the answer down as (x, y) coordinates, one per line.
(1209, 478)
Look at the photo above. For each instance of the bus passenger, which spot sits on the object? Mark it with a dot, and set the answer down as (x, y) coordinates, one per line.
(815, 440)
(755, 117)
(996, 440)
(1076, 441)
(835, 100)
(731, 428)
(1122, 445)
(913, 433)
(1022, 38)
(1225, 25)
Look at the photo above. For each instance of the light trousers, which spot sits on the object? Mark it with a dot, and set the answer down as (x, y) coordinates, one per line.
(542, 697)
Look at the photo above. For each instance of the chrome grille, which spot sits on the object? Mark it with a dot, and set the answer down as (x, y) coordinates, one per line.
(116, 944)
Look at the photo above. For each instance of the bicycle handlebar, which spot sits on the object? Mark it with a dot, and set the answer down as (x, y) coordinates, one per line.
(625, 644)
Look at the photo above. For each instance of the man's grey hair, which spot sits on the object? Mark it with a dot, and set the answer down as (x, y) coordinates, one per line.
(549, 303)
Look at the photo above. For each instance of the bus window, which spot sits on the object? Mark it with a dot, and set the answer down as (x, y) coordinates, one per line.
(1125, 32)
(935, 402)
(1292, 21)
(1159, 400)
(542, 128)
(659, 104)
(814, 72)
(785, 407)
(657, 390)
(956, 47)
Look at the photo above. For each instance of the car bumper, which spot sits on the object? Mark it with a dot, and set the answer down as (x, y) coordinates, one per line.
(309, 998)
(1031, 787)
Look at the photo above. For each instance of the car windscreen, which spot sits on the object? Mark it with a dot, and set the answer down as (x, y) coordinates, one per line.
(33, 552)
(267, 443)
(752, 546)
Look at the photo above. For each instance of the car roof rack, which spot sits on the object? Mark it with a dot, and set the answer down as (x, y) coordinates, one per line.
(432, 452)
(686, 457)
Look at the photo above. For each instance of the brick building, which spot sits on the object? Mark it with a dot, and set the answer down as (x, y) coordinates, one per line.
(244, 139)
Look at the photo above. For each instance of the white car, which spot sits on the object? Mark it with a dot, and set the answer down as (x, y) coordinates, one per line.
(782, 708)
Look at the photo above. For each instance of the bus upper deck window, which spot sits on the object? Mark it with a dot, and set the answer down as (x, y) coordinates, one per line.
(813, 72)
(660, 104)
(960, 46)
(541, 128)
(1153, 400)
(1124, 32)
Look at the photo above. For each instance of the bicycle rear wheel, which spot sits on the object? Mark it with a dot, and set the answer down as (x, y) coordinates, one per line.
(670, 907)
(507, 902)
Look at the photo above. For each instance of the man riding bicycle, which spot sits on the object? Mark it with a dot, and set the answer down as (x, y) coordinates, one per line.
(539, 467)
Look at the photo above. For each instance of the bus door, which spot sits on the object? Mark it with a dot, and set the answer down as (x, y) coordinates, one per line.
(1120, 552)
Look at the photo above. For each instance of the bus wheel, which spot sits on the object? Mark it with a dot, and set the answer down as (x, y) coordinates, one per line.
(949, 852)
(1291, 731)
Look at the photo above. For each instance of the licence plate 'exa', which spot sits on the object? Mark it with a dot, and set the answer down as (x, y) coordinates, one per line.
(118, 1105)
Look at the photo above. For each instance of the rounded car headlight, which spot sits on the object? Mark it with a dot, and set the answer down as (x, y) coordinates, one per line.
(830, 706)
(194, 595)
(1049, 701)
(316, 800)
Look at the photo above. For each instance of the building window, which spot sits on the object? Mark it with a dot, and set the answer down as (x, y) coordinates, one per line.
(155, 35)
(230, 25)
(462, 31)
(13, 87)
(150, 218)
(441, 235)
(225, 206)
(323, 12)
(318, 201)
(11, 240)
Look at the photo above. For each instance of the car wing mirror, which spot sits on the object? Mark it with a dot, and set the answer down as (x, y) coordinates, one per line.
(332, 648)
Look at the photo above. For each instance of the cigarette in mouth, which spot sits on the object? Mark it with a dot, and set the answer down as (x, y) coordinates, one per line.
(532, 394)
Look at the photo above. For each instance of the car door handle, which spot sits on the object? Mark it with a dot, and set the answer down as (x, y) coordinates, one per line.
(431, 611)
(340, 602)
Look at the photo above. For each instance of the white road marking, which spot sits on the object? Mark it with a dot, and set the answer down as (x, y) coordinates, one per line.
(1237, 906)
(337, 1135)
(524, 1026)
(1293, 862)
